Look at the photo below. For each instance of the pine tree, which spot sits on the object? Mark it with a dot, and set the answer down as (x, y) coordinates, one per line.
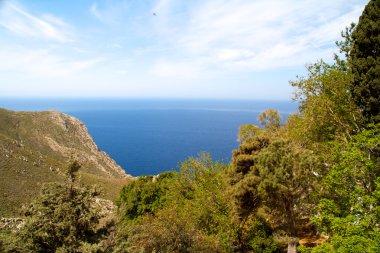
(364, 62)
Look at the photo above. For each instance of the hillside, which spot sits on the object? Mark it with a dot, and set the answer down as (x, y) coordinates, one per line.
(35, 148)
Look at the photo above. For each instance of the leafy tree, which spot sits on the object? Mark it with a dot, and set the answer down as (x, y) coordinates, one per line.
(350, 208)
(146, 194)
(247, 131)
(202, 186)
(194, 218)
(260, 237)
(364, 61)
(63, 218)
(270, 118)
(170, 230)
(327, 110)
(195, 176)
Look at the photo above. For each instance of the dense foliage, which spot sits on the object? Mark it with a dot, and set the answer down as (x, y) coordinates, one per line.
(144, 195)
(327, 110)
(364, 62)
(180, 212)
(350, 205)
(311, 182)
(60, 219)
(63, 218)
(195, 216)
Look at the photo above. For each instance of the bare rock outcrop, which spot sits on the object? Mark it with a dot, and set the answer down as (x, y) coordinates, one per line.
(88, 151)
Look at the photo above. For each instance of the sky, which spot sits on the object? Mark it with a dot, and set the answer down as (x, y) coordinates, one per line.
(221, 49)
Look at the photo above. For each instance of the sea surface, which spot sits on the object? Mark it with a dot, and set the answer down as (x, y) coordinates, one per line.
(148, 136)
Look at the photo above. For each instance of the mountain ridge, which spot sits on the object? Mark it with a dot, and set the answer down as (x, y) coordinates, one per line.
(35, 148)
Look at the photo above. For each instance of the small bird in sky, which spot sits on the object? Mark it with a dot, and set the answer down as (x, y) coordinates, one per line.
(154, 14)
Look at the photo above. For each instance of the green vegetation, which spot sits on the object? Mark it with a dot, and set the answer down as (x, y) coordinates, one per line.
(63, 218)
(186, 211)
(327, 110)
(144, 195)
(364, 61)
(349, 209)
(311, 184)
(274, 176)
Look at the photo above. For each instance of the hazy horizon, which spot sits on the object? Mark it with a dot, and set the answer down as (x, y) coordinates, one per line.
(79, 104)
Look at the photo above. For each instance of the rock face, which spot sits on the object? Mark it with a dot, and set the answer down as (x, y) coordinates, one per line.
(88, 152)
(60, 136)
(35, 148)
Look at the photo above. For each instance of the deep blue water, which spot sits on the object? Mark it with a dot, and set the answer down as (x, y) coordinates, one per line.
(151, 136)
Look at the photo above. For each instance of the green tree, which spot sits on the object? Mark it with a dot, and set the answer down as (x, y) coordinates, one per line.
(242, 180)
(270, 118)
(327, 110)
(276, 176)
(247, 131)
(260, 237)
(169, 230)
(349, 210)
(145, 195)
(202, 186)
(63, 218)
(195, 216)
(288, 176)
(344, 48)
(364, 61)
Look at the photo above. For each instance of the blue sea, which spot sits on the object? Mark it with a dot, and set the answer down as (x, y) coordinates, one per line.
(148, 136)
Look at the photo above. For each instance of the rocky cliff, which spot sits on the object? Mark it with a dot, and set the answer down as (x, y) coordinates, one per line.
(35, 148)
(87, 152)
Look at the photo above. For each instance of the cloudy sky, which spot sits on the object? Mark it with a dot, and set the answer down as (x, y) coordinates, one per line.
(237, 49)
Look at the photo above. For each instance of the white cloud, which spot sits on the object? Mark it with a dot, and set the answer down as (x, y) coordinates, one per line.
(228, 54)
(231, 48)
(19, 21)
(257, 35)
(177, 70)
(99, 15)
(111, 13)
(42, 63)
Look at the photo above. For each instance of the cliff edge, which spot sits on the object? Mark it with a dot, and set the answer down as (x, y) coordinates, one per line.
(35, 148)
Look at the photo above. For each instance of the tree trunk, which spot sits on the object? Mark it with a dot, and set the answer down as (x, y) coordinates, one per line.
(291, 216)
(292, 245)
